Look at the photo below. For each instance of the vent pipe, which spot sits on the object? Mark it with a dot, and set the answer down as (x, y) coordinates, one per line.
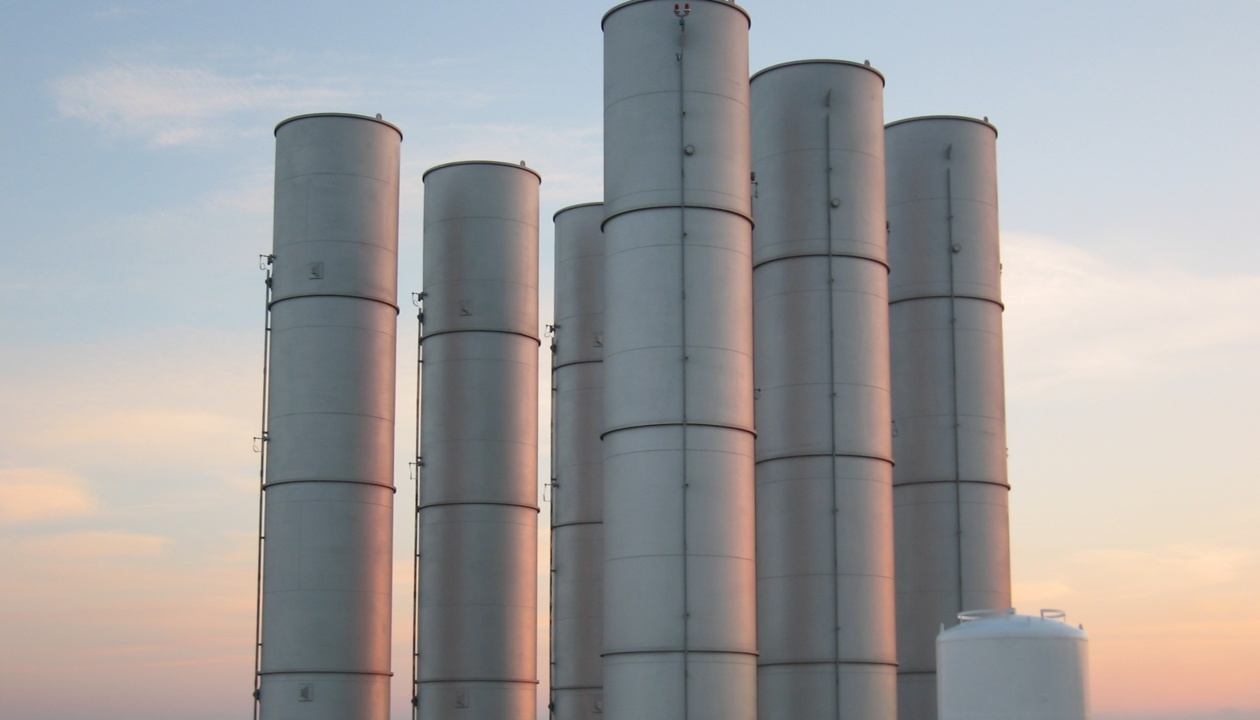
(679, 572)
(327, 577)
(825, 614)
(478, 511)
(950, 486)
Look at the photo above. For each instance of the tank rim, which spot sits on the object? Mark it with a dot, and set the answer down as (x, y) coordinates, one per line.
(985, 122)
(628, 3)
(354, 116)
(578, 206)
(518, 166)
(821, 61)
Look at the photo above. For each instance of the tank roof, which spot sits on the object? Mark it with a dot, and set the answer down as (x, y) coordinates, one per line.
(820, 61)
(518, 166)
(987, 624)
(615, 8)
(985, 122)
(578, 206)
(341, 115)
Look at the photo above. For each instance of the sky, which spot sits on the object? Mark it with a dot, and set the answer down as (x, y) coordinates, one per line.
(136, 161)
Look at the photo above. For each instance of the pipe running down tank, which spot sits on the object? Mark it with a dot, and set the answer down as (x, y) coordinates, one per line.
(478, 512)
(330, 448)
(679, 572)
(577, 497)
(825, 614)
(950, 485)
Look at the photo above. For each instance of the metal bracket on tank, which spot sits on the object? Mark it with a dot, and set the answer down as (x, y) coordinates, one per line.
(549, 331)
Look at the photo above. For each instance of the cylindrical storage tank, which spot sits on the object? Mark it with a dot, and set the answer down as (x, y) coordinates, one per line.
(825, 614)
(997, 665)
(478, 514)
(327, 581)
(949, 484)
(577, 496)
(679, 572)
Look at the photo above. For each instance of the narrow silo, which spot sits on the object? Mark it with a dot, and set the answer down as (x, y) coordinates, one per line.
(825, 614)
(330, 439)
(949, 484)
(478, 510)
(679, 571)
(577, 497)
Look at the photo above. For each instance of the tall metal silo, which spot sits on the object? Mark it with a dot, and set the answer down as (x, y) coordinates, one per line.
(825, 614)
(478, 510)
(577, 498)
(949, 486)
(679, 571)
(330, 428)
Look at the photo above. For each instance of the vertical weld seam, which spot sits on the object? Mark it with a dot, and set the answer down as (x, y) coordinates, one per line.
(953, 368)
(682, 247)
(831, 381)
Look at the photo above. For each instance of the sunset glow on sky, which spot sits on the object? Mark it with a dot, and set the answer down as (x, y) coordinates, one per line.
(137, 151)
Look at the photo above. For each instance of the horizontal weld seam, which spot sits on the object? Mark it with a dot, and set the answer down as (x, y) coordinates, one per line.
(430, 335)
(802, 256)
(999, 303)
(680, 424)
(277, 301)
(478, 502)
(688, 206)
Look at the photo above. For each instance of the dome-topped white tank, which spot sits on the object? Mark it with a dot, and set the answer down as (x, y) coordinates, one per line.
(996, 665)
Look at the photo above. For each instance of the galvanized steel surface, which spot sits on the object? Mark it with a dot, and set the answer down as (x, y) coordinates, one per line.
(479, 428)
(950, 486)
(643, 78)
(824, 475)
(577, 500)
(329, 493)
(680, 626)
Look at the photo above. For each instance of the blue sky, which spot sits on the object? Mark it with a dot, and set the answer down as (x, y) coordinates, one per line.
(137, 155)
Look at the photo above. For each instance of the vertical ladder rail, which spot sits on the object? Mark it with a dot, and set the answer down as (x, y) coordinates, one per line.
(553, 331)
(265, 263)
(418, 301)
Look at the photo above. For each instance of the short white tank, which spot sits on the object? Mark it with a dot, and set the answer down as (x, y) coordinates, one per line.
(996, 665)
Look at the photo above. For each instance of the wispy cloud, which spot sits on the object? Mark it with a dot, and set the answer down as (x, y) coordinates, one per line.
(1156, 570)
(139, 403)
(114, 11)
(181, 105)
(1072, 316)
(570, 160)
(1040, 593)
(30, 494)
(1223, 714)
(95, 545)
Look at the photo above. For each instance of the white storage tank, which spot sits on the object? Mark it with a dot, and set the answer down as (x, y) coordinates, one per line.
(996, 665)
